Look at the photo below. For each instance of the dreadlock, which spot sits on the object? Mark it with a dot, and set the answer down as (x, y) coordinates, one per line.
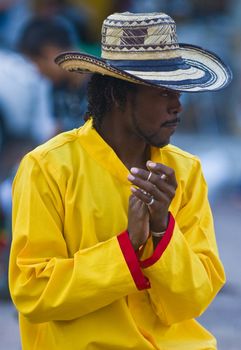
(102, 92)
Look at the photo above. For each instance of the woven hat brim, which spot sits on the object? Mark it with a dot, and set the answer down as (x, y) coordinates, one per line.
(201, 70)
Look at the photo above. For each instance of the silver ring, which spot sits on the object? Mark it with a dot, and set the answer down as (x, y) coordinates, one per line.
(163, 176)
(144, 192)
(151, 201)
(149, 176)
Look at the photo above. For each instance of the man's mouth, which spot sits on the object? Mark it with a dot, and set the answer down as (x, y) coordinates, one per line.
(171, 123)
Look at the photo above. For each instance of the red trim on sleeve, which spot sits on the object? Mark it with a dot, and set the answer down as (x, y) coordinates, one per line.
(160, 248)
(141, 281)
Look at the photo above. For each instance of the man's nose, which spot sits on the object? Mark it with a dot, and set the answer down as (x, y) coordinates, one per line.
(175, 106)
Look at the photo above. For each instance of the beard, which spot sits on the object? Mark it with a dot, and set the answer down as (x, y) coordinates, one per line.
(150, 139)
(157, 139)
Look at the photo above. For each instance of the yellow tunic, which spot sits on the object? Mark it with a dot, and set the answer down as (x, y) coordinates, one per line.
(74, 276)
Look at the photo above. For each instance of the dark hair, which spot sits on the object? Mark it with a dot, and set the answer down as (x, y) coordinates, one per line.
(103, 92)
(41, 31)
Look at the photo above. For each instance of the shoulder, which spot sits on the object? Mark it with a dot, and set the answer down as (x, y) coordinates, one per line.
(179, 156)
(55, 156)
(187, 166)
(180, 153)
(55, 145)
(64, 142)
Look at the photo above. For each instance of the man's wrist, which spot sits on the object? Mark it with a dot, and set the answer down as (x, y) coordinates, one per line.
(136, 245)
(160, 226)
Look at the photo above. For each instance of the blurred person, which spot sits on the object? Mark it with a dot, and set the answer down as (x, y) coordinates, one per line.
(40, 41)
(13, 13)
(81, 16)
(26, 115)
(113, 239)
(26, 99)
(24, 102)
(78, 15)
(91, 12)
(36, 97)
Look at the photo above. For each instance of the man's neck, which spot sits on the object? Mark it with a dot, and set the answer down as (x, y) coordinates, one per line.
(130, 149)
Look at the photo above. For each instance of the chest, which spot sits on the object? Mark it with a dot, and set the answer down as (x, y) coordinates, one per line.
(96, 207)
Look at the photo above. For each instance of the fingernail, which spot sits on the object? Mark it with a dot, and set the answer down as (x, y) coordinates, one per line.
(134, 170)
(133, 189)
(151, 164)
(131, 177)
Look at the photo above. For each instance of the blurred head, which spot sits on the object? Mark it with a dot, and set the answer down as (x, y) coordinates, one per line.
(42, 39)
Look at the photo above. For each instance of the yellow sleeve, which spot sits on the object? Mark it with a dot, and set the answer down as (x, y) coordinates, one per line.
(45, 282)
(185, 271)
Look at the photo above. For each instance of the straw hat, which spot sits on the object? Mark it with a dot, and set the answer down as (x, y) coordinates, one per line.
(143, 48)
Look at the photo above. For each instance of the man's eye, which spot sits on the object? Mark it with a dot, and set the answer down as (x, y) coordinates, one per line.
(170, 94)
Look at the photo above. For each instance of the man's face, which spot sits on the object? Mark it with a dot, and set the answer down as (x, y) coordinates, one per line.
(153, 114)
(48, 67)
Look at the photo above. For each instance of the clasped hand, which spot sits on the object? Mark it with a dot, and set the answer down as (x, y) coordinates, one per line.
(152, 193)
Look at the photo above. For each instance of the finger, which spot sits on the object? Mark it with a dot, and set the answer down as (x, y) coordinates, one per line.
(159, 174)
(132, 199)
(160, 190)
(155, 179)
(144, 174)
(144, 198)
(160, 169)
(151, 201)
(148, 176)
(135, 202)
(148, 199)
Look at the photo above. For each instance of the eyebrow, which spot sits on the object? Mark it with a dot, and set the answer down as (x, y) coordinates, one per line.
(166, 93)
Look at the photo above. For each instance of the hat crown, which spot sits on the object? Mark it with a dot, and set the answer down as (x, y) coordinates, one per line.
(133, 33)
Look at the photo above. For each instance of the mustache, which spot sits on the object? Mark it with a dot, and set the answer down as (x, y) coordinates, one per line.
(171, 122)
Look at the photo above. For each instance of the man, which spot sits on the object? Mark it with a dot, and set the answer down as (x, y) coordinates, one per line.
(30, 92)
(41, 39)
(113, 244)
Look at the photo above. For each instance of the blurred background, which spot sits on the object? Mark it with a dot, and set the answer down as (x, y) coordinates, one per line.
(39, 100)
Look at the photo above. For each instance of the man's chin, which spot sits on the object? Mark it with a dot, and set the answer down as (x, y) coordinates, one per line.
(159, 143)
